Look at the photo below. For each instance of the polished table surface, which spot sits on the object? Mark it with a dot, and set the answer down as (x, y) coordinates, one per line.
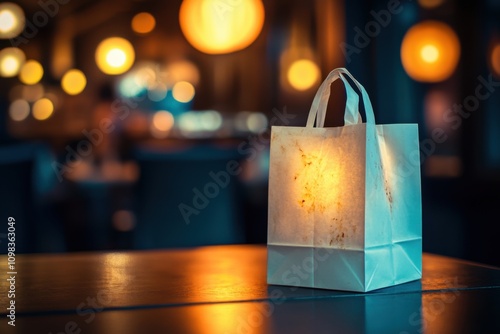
(222, 289)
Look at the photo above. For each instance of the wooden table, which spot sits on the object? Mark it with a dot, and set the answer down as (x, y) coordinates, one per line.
(222, 289)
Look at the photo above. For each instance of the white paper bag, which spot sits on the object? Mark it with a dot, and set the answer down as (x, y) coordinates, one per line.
(344, 202)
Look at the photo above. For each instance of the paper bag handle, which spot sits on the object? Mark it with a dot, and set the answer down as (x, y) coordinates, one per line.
(352, 116)
(320, 102)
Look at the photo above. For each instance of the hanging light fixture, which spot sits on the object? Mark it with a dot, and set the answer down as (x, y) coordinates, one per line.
(43, 109)
(11, 61)
(143, 23)
(430, 51)
(73, 82)
(114, 55)
(218, 27)
(303, 74)
(31, 72)
(11, 20)
(299, 68)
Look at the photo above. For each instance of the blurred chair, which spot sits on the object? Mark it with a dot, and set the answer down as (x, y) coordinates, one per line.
(168, 179)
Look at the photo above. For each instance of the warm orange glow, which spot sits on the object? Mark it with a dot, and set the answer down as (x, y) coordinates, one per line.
(73, 82)
(143, 23)
(114, 55)
(123, 220)
(11, 20)
(43, 109)
(11, 60)
(245, 317)
(163, 120)
(430, 51)
(146, 76)
(313, 177)
(226, 282)
(31, 72)
(62, 53)
(162, 123)
(216, 27)
(313, 191)
(183, 91)
(443, 166)
(436, 104)
(443, 312)
(430, 3)
(183, 70)
(116, 270)
(303, 74)
(495, 59)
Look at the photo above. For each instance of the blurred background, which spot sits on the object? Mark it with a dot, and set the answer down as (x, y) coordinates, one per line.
(142, 124)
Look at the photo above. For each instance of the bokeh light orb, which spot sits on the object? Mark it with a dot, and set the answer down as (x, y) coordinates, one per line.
(73, 82)
(183, 91)
(43, 109)
(303, 74)
(147, 75)
(162, 123)
(163, 120)
(11, 20)
(11, 61)
(143, 23)
(123, 220)
(495, 59)
(191, 123)
(430, 51)
(19, 110)
(218, 27)
(114, 55)
(256, 122)
(31, 72)
(158, 92)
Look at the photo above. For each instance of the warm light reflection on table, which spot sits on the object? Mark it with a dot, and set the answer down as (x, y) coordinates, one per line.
(223, 289)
